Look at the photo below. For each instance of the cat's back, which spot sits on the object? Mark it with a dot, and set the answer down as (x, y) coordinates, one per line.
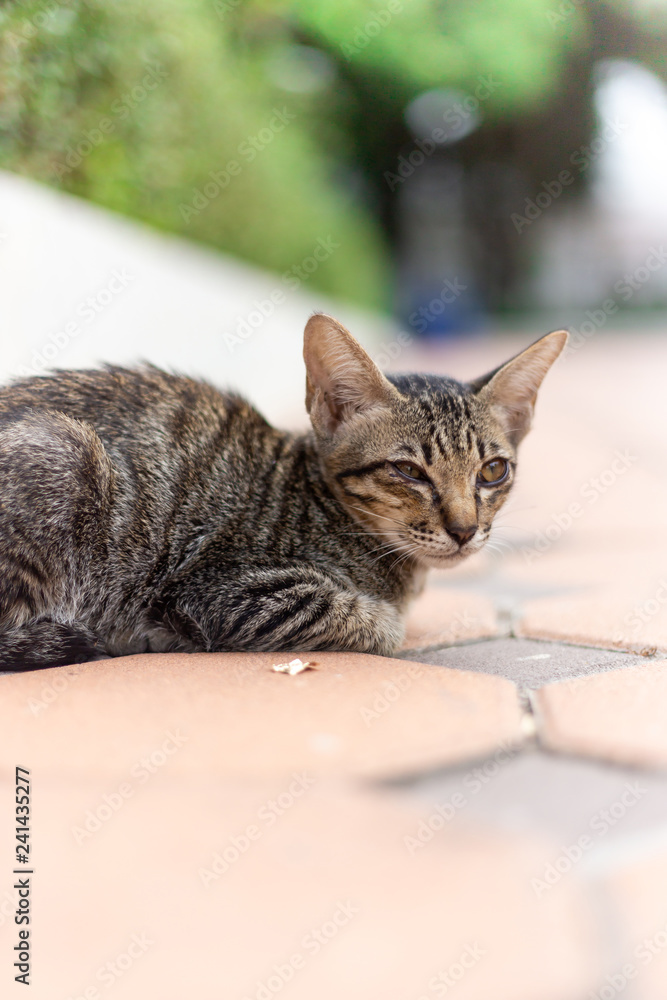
(141, 410)
(166, 435)
(125, 403)
(158, 461)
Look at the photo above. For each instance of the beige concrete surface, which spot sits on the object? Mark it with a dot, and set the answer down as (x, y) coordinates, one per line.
(352, 714)
(620, 715)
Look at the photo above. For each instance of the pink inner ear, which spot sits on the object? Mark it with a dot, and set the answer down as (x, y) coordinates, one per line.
(513, 390)
(346, 377)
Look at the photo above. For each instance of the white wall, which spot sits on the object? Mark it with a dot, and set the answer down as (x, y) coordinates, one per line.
(172, 305)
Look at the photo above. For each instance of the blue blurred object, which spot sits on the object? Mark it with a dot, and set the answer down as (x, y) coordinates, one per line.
(441, 312)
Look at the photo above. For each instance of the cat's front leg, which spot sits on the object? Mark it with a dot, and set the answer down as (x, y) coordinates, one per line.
(291, 608)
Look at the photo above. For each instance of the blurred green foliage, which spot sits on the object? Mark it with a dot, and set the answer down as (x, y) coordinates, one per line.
(136, 105)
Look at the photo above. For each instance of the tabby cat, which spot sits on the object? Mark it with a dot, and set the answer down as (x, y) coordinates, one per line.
(143, 511)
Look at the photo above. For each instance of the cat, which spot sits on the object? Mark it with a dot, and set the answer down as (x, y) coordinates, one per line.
(142, 511)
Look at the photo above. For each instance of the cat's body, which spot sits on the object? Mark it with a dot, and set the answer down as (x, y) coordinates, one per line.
(142, 511)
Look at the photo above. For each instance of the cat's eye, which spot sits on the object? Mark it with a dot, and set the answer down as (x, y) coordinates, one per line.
(494, 472)
(411, 471)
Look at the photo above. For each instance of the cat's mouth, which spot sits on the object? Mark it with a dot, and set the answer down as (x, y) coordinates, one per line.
(435, 556)
(432, 553)
(443, 558)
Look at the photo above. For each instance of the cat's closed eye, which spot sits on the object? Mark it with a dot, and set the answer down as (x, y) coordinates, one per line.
(411, 471)
(494, 472)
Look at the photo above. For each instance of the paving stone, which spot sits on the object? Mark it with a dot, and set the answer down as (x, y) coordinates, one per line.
(328, 888)
(619, 715)
(617, 597)
(354, 714)
(527, 663)
(602, 619)
(445, 615)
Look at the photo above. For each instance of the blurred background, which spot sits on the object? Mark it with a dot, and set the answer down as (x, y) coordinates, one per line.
(184, 181)
(457, 165)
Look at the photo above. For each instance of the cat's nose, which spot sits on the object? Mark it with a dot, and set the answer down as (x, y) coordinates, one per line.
(461, 533)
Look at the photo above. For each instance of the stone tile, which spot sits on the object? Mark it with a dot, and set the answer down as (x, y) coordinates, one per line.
(328, 888)
(528, 664)
(354, 714)
(603, 618)
(442, 615)
(619, 715)
(615, 596)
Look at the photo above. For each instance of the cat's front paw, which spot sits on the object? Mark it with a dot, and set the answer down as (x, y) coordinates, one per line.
(377, 627)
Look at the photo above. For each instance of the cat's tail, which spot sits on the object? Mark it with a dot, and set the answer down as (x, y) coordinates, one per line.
(46, 643)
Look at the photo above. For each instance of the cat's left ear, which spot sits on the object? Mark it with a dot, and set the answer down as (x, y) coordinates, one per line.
(341, 379)
(511, 390)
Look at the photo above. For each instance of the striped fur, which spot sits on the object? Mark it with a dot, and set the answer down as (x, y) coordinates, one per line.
(144, 511)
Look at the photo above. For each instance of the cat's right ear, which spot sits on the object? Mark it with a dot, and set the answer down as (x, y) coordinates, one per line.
(341, 379)
(511, 390)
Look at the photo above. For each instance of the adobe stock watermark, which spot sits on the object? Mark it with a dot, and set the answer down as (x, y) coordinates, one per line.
(117, 967)
(458, 628)
(290, 280)
(450, 292)
(645, 952)
(8, 905)
(267, 815)
(625, 288)
(564, 12)
(453, 119)
(86, 312)
(50, 692)
(390, 692)
(30, 26)
(591, 491)
(581, 158)
(601, 823)
(471, 785)
(446, 979)
(377, 22)
(311, 944)
(121, 109)
(225, 7)
(642, 613)
(391, 351)
(248, 150)
(141, 772)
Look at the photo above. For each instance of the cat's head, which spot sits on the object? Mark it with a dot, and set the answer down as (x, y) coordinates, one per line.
(424, 461)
